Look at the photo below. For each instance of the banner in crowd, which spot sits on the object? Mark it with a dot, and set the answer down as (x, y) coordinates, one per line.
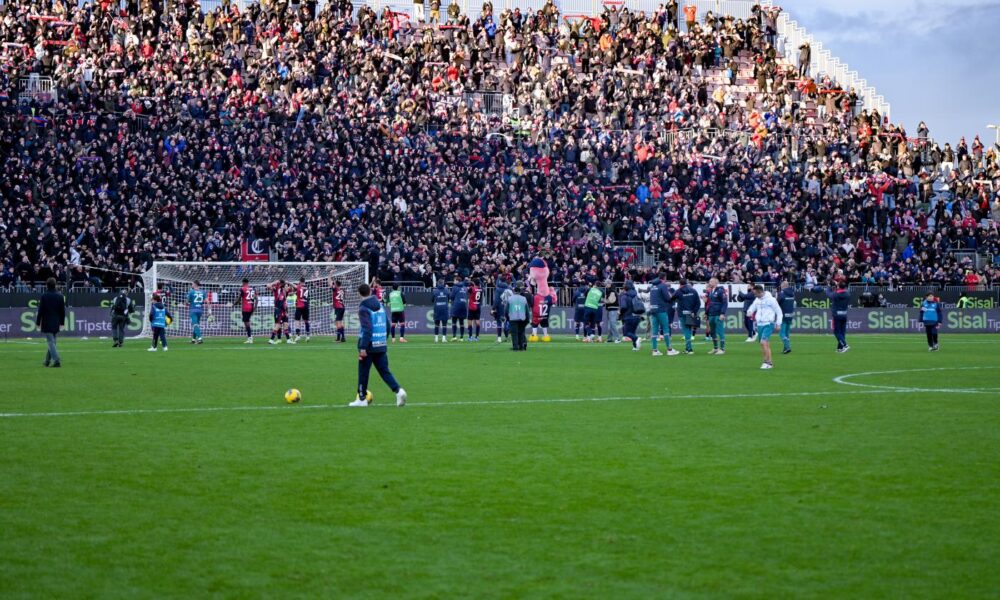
(254, 250)
(94, 321)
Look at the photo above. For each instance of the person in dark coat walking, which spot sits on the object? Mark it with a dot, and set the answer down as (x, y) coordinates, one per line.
(51, 316)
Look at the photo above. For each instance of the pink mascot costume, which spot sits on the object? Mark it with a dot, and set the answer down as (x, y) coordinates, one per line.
(543, 299)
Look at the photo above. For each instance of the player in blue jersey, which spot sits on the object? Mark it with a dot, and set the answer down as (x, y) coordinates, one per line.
(159, 317)
(786, 300)
(196, 299)
(459, 310)
(441, 298)
(373, 348)
(931, 315)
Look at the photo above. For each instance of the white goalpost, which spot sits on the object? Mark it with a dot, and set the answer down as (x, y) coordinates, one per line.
(221, 283)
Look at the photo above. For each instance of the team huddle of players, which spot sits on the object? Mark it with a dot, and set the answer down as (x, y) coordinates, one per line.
(299, 293)
(281, 290)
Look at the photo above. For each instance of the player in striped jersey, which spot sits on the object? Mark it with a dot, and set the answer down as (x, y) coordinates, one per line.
(301, 308)
(248, 302)
(280, 289)
(338, 311)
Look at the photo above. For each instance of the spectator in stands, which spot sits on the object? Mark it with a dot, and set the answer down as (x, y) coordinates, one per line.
(349, 137)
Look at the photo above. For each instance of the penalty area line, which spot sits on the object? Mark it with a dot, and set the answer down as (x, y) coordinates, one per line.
(417, 405)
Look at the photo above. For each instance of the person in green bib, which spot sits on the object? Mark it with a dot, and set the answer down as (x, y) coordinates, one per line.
(590, 310)
(397, 306)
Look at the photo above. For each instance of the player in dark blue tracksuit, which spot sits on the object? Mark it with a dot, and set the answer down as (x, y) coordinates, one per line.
(660, 305)
(630, 318)
(718, 302)
(373, 348)
(786, 300)
(747, 298)
(441, 298)
(840, 299)
(500, 312)
(579, 302)
(459, 310)
(688, 305)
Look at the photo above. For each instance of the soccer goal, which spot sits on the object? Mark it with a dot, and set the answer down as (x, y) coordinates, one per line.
(221, 283)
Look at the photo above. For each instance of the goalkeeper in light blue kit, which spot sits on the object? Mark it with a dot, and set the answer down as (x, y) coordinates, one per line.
(196, 308)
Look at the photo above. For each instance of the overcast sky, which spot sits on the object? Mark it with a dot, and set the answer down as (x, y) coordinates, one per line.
(933, 60)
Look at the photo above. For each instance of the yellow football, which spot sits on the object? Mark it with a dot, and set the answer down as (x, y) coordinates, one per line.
(292, 396)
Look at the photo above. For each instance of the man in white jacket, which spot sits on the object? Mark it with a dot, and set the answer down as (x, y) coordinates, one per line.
(766, 312)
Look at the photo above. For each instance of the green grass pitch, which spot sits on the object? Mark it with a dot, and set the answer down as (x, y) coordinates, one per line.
(569, 471)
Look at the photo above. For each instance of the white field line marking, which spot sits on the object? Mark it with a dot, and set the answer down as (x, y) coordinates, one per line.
(842, 379)
(207, 409)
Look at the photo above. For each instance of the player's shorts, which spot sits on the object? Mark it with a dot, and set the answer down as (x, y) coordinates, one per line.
(302, 313)
(540, 322)
(247, 314)
(280, 316)
(462, 313)
(474, 313)
(338, 314)
(195, 317)
(590, 316)
(765, 331)
(578, 315)
(399, 317)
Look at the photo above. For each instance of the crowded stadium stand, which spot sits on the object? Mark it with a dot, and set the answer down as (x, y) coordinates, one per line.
(610, 137)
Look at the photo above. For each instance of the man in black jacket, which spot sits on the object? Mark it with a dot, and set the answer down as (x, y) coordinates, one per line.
(51, 316)
(121, 308)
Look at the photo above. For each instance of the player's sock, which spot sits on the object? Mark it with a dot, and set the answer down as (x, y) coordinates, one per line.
(437, 330)
(600, 330)
(307, 328)
(461, 329)
(272, 335)
(454, 329)
(534, 331)
(477, 331)
(392, 331)
(402, 331)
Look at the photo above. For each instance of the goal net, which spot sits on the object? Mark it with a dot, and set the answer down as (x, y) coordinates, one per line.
(221, 282)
